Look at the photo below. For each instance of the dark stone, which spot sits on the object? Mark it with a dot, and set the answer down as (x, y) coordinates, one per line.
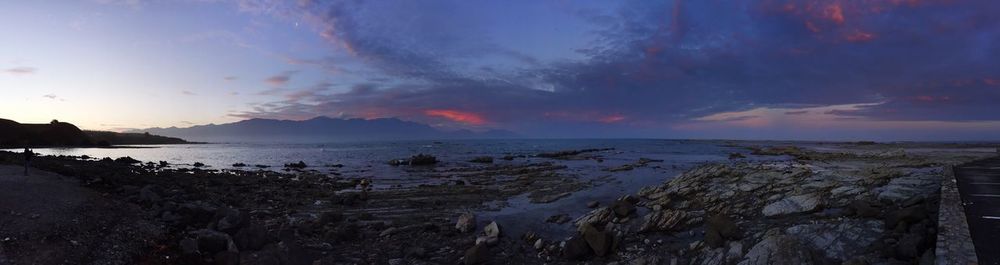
(211, 241)
(422, 159)
(623, 208)
(299, 165)
(252, 237)
(577, 248)
(593, 204)
(477, 254)
(482, 159)
(599, 241)
(150, 194)
(189, 247)
(415, 252)
(227, 258)
(558, 219)
(910, 215)
(331, 217)
(863, 209)
(910, 246)
(229, 220)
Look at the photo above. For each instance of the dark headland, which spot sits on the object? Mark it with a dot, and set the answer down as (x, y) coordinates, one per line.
(63, 134)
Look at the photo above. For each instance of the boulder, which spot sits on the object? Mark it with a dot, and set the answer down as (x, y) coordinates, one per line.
(229, 220)
(558, 219)
(252, 237)
(482, 159)
(909, 215)
(599, 241)
(211, 241)
(863, 209)
(779, 249)
(477, 254)
(910, 246)
(466, 223)
(597, 217)
(492, 230)
(720, 228)
(576, 248)
(592, 204)
(839, 240)
(665, 220)
(793, 204)
(150, 194)
(623, 208)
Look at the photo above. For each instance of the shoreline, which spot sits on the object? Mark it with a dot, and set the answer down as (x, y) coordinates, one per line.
(279, 216)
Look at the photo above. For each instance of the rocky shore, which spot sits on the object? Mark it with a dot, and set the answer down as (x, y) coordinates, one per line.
(856, 204)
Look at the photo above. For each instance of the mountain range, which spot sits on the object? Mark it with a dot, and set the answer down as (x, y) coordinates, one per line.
(320, 129)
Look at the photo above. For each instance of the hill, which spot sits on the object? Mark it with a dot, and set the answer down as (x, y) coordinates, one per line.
(319, 129)
(115, 138)
(63, 134)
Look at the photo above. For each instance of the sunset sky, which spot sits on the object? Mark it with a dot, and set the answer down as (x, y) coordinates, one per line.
(818, 69)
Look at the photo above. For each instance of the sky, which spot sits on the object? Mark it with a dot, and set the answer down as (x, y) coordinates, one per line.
(732, 69)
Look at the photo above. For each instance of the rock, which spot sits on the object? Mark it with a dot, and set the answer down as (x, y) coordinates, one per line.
(909, 215)
(299, 165)
(863, 209)
(422, 159)
(198, 164)
(388, 232)
(466, 223)
(666, 220)
(793, 205)
(211, 241)
(226, 258)
(189, 247)
(778, 248)
(915, 184)
(592, 204)
(720, 228)
(623, 208)
(736, 156)
(477, 254)
(239, 165)
(415, 252)
(910, 246)
(252, 237)
(838, 240)
(539, 244)
(229, 220)
(482, 159)
(599, 241)
(576, 248)
(558, 219)
(597, 217)
(492, 230)
(150, 194)
(487, 240)
(928, 258)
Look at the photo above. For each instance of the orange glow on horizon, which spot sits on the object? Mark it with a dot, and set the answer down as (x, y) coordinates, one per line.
(458, 116)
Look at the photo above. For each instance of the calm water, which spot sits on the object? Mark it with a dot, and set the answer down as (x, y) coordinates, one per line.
(369, 159)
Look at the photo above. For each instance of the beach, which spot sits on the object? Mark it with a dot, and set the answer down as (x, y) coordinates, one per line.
(753, 203)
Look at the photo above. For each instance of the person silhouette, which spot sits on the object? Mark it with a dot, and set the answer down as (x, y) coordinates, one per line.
(28, 154)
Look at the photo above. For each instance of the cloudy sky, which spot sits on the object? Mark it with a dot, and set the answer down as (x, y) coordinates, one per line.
(815, 69)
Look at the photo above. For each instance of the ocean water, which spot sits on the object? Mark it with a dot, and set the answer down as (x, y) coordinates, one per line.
(369, 159)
